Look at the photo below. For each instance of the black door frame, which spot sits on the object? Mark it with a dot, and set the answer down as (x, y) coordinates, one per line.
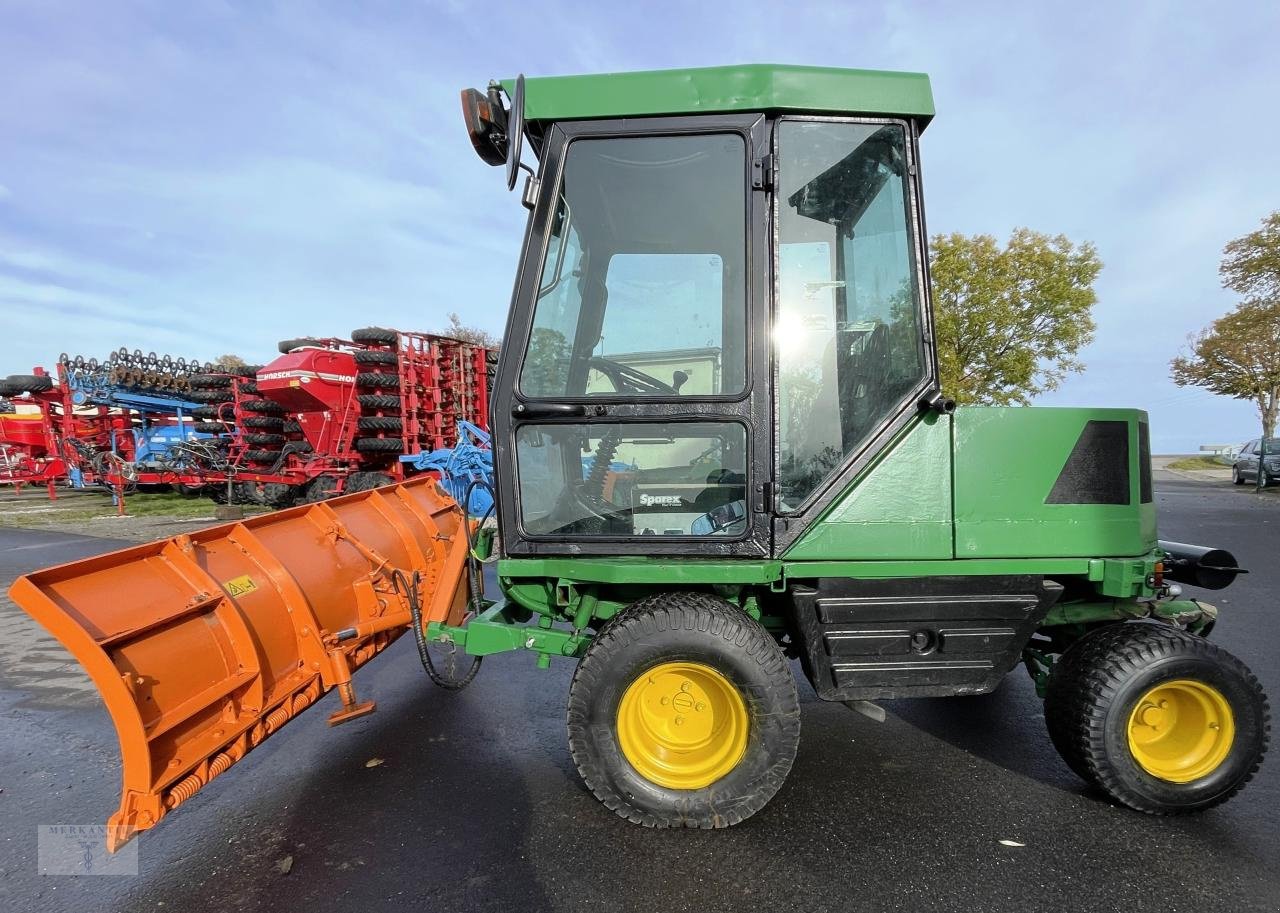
(752, 408)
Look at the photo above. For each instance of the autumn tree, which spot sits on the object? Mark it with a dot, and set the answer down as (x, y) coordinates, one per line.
(230, 361)
(1238, 355)
(1010, 320)
(1251, 264)
(474, 335)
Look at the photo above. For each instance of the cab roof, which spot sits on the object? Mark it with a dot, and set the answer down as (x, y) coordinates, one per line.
(716, 90)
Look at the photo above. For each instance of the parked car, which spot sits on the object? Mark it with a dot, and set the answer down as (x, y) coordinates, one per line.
(1245, 468)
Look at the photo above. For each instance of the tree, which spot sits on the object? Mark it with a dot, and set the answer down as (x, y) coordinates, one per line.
(1239, 354)
(1010, 320)
(1251, 264)
(230, 361)
(474, 335)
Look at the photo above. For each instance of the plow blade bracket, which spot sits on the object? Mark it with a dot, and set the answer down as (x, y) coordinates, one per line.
(205, 644)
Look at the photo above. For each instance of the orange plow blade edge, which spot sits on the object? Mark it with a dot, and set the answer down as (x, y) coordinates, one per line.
(205, 644)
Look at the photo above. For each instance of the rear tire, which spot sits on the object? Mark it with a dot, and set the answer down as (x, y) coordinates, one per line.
(1159, 720)
(716, 660)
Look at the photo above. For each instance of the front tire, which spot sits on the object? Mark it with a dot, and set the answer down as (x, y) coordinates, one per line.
(683, 713)
(1236, 478)
(1159, 720)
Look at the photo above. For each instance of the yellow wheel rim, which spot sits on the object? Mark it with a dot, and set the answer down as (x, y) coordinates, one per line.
(682, 725)
(1181, 730)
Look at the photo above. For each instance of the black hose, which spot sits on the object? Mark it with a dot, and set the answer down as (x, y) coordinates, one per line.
(410, 587)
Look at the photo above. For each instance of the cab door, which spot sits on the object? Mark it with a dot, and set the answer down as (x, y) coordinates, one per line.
(631, 405)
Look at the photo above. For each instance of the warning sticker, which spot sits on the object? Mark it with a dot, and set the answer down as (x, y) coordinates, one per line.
(239, 586)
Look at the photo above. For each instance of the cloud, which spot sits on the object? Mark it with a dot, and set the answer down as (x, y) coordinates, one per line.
(208, 177)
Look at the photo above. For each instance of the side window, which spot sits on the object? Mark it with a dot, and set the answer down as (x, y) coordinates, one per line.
(847, 331)
(643, 291)
(624, 480)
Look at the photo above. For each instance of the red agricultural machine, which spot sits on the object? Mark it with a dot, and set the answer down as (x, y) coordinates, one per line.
(28, 445)
(328, 416)
(335, 415)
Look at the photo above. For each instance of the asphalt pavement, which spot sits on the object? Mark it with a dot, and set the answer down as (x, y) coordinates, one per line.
(475, 804)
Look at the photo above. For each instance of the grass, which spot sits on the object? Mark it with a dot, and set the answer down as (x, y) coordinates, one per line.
(1197, 462)
(79, 507)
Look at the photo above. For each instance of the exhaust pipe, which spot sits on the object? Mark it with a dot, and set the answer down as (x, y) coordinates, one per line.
(1210, 568)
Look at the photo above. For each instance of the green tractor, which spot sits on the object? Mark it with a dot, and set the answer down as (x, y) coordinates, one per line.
(720, 446)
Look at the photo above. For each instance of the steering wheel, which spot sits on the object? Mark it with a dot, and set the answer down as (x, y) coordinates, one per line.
(627, 379)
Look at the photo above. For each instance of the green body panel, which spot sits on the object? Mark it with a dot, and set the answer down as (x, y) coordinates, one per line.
(1006, 462)
(719, 90)
(899, 508)
(530, 581)
(641, 570)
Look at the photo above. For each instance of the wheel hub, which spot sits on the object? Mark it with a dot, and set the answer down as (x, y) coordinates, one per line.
(1181, 730)
(682, 725)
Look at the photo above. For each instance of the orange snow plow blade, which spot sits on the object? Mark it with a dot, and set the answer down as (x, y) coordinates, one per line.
(205, 644)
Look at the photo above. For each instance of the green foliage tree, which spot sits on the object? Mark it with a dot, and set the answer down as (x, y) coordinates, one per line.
(1010, 320)
(1238, 355)
(230, 361)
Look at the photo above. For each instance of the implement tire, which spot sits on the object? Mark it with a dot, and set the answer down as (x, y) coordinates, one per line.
(377, 380)
(379, 423)
(262, 407)
(209, 381)
(285, 346)
(1158, 719)
(365, 481)
(271, 422)
(376, 357)
(380, 401)
(376, 335)
(379, 445)
(27, 383)
(683, 713)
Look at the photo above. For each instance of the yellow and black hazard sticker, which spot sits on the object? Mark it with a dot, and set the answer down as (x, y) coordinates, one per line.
(240, 585)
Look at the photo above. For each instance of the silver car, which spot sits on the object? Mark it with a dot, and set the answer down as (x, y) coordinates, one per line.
(1245, 468)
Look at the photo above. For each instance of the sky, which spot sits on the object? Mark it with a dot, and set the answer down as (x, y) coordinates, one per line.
(207, 177)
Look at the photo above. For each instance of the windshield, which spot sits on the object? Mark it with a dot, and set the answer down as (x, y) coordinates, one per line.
(847, 334)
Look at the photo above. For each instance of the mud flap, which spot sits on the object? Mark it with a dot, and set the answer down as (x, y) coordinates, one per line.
(205, 644)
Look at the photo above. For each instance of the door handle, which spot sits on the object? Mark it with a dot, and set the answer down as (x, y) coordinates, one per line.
(541, 410)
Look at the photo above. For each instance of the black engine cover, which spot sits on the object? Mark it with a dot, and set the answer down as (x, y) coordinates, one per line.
(915, 636)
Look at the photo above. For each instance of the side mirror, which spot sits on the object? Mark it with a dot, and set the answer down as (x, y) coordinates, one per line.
(486, 121)
(515, 133)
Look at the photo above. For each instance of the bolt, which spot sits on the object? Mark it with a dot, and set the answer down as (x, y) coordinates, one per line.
(685, 686)
(1214, 726)
(1164, 704)
(679, 721)
(699, 706)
